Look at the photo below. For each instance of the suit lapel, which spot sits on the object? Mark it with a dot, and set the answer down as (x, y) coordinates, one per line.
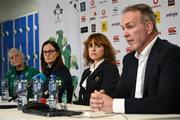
(153, 57)
(99, 68)
(86, 73)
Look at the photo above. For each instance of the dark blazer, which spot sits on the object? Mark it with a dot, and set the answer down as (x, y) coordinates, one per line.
(105, 77)
(61, 72)
(161, 85)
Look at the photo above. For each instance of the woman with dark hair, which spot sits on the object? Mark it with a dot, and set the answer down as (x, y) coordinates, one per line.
(52, 63)
(102, 72)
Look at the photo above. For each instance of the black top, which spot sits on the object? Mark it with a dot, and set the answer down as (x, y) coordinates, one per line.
(105, 77)
(63, 73)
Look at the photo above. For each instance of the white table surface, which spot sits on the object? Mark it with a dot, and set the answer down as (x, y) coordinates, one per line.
(14, 114)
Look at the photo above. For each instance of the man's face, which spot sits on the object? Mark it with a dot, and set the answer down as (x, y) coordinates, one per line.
(135, 31)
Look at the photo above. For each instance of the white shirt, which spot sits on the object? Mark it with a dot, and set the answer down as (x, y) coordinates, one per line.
(93, 67)
(118, 104)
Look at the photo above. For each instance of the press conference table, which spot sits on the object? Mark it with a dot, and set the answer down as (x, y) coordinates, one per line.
(14, 114)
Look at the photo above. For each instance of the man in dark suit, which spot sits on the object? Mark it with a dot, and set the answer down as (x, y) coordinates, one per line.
(150, 78)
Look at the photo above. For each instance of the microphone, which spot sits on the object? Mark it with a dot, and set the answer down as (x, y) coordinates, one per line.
(37, 76)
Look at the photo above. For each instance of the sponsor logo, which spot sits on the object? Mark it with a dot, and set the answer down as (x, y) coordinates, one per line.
(114, 1)
(115, 11)
(156, 5)
(172, 31)
(92, 18)
(155, 1)
(116, 38)
(74, 4)
(103, 12)
(94, 14)
(58, 11)
(83, 6)
(173, 14)
(171, 2)
(83, 18)
(158, 17)
(104, 26)
(115, 24)
(92, 4)
(84, 29)
(93, 28)
(103, 1)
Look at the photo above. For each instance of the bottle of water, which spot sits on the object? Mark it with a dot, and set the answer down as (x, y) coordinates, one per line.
(5, 90)
(22, 92)
(52, 101)
(64, 100)
(37, 89)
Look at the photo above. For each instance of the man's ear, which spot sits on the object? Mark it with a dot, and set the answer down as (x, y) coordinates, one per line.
(149, 27)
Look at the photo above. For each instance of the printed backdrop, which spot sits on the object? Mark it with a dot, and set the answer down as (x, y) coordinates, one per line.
(104, 16)
(59, 21)
(70, 22)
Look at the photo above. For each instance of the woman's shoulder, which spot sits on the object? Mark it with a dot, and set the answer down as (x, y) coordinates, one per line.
(109, 64)
(9, 73)
(62, 70)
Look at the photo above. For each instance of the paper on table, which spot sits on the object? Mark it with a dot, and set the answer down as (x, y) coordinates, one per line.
(91, 114)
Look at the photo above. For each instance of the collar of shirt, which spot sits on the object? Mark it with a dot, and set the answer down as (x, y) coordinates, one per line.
(94, 66)
(92, 69)
(146, 51)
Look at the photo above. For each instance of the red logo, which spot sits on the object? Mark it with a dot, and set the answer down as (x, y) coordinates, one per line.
(155, 1)
(92, 2)
(94, 13)
(114, 1)
(172, 30)
(116, 38)
(103, 12)
(83, 18)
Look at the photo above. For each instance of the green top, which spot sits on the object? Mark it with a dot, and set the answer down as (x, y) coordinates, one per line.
(12, 76)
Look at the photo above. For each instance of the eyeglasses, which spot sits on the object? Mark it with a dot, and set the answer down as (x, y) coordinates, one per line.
(49, 52)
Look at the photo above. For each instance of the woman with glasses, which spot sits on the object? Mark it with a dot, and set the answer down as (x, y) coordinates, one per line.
(17, 61)
(52, 64)
(102, 72)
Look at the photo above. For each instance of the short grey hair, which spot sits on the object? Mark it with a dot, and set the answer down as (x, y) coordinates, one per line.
(146, 12)
(17, 51)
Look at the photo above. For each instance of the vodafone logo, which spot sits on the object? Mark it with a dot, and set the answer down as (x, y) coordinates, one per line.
(103, 12)
(155, 1)
(116, 38)
(92, 2)
(172, 30)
